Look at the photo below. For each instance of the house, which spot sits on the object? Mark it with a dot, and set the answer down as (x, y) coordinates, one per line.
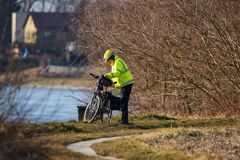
(48, 31)
(18, 20)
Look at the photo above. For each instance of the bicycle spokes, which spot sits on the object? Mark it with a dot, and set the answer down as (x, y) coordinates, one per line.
(92, 109)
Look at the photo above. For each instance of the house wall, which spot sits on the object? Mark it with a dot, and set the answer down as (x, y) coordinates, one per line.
(51, 39)
(30, 31)
(14, 27)
(20, 19)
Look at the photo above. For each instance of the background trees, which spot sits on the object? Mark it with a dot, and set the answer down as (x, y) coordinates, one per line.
(184, 54)
(6, 9)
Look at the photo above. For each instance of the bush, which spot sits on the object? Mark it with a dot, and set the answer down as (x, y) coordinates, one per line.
(17, 64)
(3, 63)
(184, 54)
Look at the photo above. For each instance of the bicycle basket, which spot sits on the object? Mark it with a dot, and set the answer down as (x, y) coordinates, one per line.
(106, 82)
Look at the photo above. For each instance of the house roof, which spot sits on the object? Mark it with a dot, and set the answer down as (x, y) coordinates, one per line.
(20, 19)
(50, 20)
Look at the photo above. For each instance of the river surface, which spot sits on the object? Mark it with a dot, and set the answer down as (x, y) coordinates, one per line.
(45, 104)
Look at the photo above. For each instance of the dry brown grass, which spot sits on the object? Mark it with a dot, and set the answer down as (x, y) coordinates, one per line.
(32, 77)
(14, 144)
(177, 143)
(222, 143)
(82, 82)
(130, 149)
(49, 140)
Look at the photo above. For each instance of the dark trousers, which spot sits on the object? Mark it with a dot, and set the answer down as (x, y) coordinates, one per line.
(126, 91)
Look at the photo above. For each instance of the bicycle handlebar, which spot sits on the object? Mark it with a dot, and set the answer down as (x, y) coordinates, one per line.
(94, 76)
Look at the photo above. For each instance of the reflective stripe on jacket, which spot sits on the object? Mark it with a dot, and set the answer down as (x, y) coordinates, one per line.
(120, 74)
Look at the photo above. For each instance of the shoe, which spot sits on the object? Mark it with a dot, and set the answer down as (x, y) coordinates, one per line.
(122, 122)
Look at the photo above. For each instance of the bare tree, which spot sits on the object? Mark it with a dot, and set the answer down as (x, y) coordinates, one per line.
(185, 55)
(27, 4)
(59, 5)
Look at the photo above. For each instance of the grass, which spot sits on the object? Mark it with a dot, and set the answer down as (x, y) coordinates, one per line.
(131, 149)
(176, 143)
(63, 81)
(49, 140)
(156, 137)
(32, 77)
(188, 139)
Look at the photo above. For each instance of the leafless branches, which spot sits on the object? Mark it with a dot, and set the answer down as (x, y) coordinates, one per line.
(184, 54)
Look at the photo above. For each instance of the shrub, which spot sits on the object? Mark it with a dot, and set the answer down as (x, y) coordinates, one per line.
(184, 54)
(17, 64)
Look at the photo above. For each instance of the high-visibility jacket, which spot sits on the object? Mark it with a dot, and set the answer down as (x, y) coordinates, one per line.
(120, 74)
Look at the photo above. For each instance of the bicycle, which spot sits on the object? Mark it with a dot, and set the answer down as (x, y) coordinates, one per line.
(100, 102)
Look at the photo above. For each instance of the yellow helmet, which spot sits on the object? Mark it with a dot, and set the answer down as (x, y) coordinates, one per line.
(107, 54)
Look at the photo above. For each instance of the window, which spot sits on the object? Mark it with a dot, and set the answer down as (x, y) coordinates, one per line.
(47, 34)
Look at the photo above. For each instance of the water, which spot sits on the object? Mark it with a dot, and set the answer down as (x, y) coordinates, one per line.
(43, 104)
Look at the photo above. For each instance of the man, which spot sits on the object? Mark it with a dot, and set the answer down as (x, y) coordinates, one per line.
(121, 78)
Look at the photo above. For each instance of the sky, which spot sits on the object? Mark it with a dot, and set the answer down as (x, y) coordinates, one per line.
(38, 7)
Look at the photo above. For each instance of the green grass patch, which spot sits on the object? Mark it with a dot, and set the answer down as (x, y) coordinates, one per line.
(133, 150)
(53, 137)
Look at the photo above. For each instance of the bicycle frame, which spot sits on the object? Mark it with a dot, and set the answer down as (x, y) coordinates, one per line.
(99, 104)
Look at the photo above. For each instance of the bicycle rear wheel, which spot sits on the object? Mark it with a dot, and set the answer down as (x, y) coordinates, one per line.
(92, 109)
(106, 112)
(109, 112)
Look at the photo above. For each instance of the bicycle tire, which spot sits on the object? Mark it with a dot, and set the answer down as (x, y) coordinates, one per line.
(92, 109)
(105, 113)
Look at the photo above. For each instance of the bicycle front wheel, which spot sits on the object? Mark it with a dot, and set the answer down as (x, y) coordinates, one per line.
(92, 109)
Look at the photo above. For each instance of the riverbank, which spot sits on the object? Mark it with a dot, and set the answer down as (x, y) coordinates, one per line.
(49, 140)
(32, 77)
(155, 137)
(63, 82)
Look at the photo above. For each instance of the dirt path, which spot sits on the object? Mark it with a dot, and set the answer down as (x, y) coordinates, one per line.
(84, 147)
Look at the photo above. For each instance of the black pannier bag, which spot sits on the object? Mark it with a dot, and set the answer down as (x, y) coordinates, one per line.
(106, 82)
(115, 102)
